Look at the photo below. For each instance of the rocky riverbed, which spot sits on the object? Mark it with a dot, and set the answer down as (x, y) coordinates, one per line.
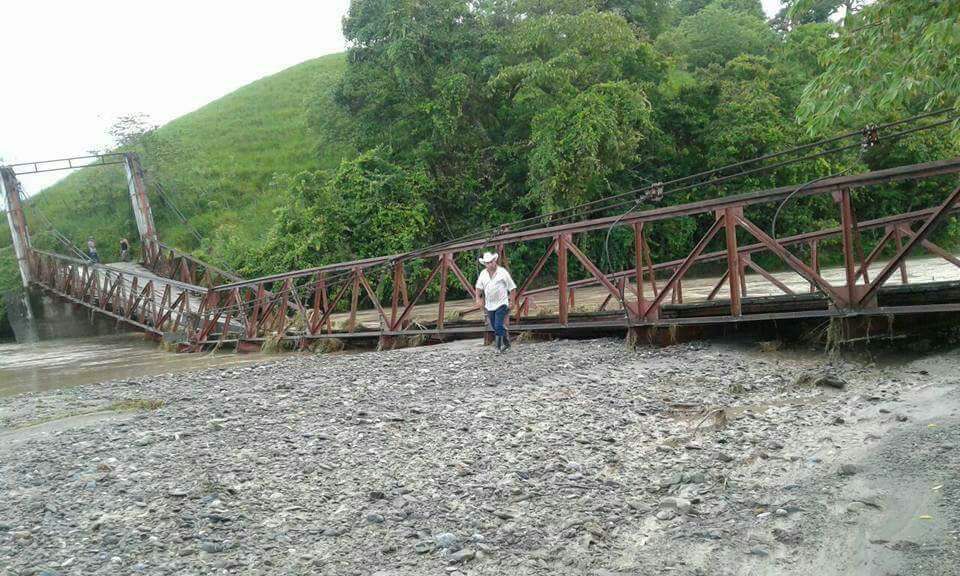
(563, 457)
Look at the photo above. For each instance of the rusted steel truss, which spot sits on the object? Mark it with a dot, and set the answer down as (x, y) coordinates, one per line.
(408, 294)
(154, 305)
(404, 294)
(176, 265)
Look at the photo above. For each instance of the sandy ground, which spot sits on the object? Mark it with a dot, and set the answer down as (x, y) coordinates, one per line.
(559, 457)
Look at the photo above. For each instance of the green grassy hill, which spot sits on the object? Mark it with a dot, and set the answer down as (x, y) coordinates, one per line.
(217, 163)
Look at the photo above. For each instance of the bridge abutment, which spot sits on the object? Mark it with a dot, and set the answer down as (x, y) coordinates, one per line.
(36, 317)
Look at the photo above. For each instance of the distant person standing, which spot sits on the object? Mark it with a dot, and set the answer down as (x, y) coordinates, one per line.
(92, 250)
(124, 250)
(495, 288)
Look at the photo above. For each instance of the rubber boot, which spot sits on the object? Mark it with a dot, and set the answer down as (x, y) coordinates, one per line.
(506, 341)
(498, 340)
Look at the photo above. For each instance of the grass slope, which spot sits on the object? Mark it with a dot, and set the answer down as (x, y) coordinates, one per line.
(217, 163)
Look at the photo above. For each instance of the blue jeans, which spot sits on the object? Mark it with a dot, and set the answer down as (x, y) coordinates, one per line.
(496, 318)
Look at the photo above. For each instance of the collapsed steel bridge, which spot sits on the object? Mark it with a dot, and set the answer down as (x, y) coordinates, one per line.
(172, 293)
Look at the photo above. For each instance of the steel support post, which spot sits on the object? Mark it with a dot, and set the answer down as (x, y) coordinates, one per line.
(442, 306)
(354, 299)
(141, 207)
(898, 238)
(814, 261)
(395, 297)
(638, 268)
(729, 216)
(563, 291)
(847, 226)
(17, 221)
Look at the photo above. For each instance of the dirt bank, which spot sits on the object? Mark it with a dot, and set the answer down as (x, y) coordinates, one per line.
(557, 458)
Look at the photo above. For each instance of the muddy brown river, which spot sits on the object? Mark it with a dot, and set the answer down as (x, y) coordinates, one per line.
(63, 363)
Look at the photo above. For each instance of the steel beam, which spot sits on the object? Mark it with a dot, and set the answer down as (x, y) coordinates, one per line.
(141, 206)
(928, 225)
(17, 222)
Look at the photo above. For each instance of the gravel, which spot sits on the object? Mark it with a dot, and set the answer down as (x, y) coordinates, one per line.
(562, 457)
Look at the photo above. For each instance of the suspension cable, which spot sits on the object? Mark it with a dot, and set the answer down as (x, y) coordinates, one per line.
(655, 190)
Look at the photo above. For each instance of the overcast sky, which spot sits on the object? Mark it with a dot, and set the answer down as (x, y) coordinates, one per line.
(71, 68)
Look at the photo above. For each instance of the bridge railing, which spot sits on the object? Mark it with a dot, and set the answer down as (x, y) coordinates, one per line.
(169, 262)
(386, 296)
(155, 305)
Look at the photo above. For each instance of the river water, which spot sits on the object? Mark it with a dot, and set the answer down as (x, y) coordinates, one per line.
(63, 363)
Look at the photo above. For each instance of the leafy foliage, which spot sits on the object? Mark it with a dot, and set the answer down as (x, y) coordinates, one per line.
(716, 35)
(446, 117)
(891, 55)
(368, 207)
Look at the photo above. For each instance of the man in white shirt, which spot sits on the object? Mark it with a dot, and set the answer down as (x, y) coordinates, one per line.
(495, 290)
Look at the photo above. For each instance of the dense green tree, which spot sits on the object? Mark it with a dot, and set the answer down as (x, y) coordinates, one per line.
(368, 207)
(651, 16)
(691, 7)
(808, 11)
(716, 35)
(566, 100)
(583, 145)
(796, 61)
(480, 112)
(892, 54)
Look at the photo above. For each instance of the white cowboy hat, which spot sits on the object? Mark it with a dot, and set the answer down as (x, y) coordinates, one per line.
(488, 257)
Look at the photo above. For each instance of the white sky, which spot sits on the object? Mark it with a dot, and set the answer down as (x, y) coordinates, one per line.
(71, 68)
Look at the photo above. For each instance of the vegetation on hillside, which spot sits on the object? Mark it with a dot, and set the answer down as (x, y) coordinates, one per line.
(450, 116)
(511, 109)
(218, 165)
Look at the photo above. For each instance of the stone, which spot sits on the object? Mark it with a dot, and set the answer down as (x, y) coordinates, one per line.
(461, 556)
(759, 551)
(787, 536)
(830, 381)
(375, 518)
(856, 507)
(447, 541)
(849, 469)
(637, 505)
(215, 547)
(681, 505)
(809, 379)
(671, 480)
(697, 477)
(666, 514)
(424, 546)
(154, 505)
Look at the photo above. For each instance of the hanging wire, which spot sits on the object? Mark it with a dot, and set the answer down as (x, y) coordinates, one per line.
(176, 211)
(655, 190)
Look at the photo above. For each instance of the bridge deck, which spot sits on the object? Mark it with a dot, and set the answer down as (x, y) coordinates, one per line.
(696, 290)
(386, 295)
(125, 291)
